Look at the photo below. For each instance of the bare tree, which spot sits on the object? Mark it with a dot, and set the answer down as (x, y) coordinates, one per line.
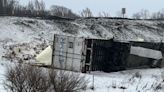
(10, 7)
(3, 4)
(62, 12)
(100, 14)
(86, 13)
(136, 16)
(104, 14)
(59, 10)
(145, 14)
(37, 6)
(119, 14)
(162, 11)
(42, 7)
(157, 15)
(1, 7)
(31, 8)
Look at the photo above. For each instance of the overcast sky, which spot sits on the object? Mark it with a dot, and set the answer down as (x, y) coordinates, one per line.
(112, 6)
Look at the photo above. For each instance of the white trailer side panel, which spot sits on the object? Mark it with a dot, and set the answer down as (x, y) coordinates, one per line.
(67, 52)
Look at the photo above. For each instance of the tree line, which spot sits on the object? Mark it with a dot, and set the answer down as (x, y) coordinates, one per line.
(13, 8)
(145, 14)
(142, 14)
(34, 8)
(37, 8)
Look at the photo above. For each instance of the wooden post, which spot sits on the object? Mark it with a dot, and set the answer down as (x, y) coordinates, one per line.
(93, 82)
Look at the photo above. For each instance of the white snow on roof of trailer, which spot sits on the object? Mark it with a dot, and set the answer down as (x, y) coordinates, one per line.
(145, 52)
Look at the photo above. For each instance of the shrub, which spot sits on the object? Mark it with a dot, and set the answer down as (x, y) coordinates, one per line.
(67, 82)
(25, 78)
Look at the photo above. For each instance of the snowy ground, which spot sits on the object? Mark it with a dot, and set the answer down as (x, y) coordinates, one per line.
(149, 80)
(142, 80)
(21, 39)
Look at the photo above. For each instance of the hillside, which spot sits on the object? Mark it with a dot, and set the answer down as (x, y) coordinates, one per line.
(28, 37)
(33, 35)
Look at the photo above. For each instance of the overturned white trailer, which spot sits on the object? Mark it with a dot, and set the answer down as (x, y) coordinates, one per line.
(85, 54)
